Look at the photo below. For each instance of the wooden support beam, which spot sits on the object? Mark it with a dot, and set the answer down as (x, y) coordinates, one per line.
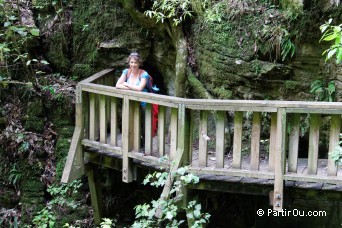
(203, 140)
(238, 116)
(220, 139)
(74, 167)
(255, 141)
(95, 192)
(315, 120)
(335, 128)
(293, 143)
(273, 143)
(278, 198)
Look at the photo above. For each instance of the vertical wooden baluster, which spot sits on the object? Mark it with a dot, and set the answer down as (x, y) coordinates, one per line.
(148, 129)
(220, 139)
(126, 139)
(313, 143)
(278, 197)
(113, 121)
(137, 126)
(103, 119)
(92, 111)
(85, 107)
(203, 140)
(238, 116)
(294, 142)
(161, 130)
(335, 128)
(273, 143)
(174, 132)
(255, 141)
(191, 135)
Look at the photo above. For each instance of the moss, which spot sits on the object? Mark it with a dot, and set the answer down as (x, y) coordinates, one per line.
(292, 85)
(58, 50)
(197, 87)
(223, 93)
(82, 70)
(34, 124)
(66, 131)
(62, 148)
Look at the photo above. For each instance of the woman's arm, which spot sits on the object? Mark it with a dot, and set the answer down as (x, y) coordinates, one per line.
(121, 83)
(140, 87)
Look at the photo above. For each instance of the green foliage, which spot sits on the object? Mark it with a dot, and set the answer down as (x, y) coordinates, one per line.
(336, 154)
(323, 91)
(168, 207)
(15, 175)
(61, 198)
(177, 10)
(15, 41)
(287, 48)
(332, 33)
(45, 218)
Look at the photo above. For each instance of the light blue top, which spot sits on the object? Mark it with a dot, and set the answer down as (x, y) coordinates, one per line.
(144, 75)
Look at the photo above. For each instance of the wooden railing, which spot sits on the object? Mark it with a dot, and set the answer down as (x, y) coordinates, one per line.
(100, 107)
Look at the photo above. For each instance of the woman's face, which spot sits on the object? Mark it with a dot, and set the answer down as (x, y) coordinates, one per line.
(133, 63)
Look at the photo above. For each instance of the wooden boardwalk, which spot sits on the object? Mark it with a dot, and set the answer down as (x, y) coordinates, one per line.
(108, 122)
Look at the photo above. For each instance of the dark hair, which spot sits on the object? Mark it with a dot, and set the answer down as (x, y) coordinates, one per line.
(136, 57)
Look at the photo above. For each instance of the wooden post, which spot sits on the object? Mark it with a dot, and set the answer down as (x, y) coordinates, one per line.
(278, 198)
(220, 139)
(313, 143)
(174, 132)
(126, 139)
(273, 143)
(238, 116)
(113, 121)
(293, 143)
(95, 192)
(183, 132)
(148, 129)
(161, 130)
(203, 140)
(335, 128)
(255, 141)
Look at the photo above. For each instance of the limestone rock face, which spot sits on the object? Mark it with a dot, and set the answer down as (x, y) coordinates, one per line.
(227, 61)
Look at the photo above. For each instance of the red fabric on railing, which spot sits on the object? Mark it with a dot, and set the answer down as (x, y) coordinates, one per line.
(154, 119)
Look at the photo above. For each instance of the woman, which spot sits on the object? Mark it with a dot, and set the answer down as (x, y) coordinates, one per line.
(133, 78)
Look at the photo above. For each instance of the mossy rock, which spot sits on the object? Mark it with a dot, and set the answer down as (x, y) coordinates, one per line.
(82, 70)
(34, 124)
